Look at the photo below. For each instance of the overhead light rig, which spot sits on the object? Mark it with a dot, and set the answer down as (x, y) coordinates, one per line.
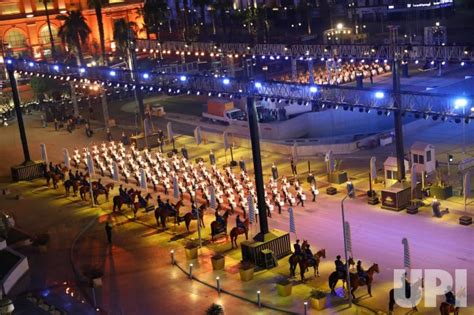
(408, 53)
(320, 97)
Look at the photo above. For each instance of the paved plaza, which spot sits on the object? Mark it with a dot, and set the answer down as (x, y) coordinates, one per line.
(138, 277)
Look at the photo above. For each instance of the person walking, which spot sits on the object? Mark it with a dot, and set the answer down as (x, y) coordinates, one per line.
(109, 135)
(108, 231)
(56, 124)
(293, 167)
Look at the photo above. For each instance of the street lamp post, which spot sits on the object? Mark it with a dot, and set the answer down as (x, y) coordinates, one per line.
(397, 104)
(350, 194)
(19, 115)
(257, 164)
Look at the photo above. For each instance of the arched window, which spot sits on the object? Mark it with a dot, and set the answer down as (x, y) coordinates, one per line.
(15, 38)
(44, 35)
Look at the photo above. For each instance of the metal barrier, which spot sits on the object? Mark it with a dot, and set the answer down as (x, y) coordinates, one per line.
(280, 246)
(29, 171)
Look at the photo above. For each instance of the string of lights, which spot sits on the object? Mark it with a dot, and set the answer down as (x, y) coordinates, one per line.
(407, 53)
(320, 97)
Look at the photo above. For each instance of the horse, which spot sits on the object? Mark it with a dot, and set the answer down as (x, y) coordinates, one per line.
(139, 204)
(335, 276)
(409, 294)
(118, 201)
(102, 191)
(216, 228)
(164, 212)
(83, 190)
(305, 263)
(356, 281)
(55, 177)
(74, 184)
(446, 309)
(236, 231)
(188, 217)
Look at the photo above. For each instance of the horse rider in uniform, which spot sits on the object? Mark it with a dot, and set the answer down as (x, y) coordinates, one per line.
(99, 184)
(238, 223)
(450, 297)
(297, 248)
(194, 211)
(362, 273)
(219, 219)
(309, 254)
(340, 267)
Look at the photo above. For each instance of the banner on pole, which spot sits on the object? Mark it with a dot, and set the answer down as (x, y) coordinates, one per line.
(170, 131)
(212, 200)
(143, 184)
(147, 126)
(44, 154)
(373, 168)
(251, 209)
(115, 171)
(175, 188)
(347, 237)
(294, 151)
(413, 180)
(90, 164)
(467, 186)
(197, 135)
(226, 141)
(406, 254)
(66, 158)
(292, 220)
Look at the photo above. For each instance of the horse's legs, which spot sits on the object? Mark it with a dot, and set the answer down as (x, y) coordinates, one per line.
(369, 289)
(352, 292)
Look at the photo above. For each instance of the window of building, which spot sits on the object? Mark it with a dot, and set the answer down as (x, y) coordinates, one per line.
(428, 156)
(44, 34)
(421, 159)
(40, 5)
(9, 8)
(415, 158)
(392, 174)
(15, 38)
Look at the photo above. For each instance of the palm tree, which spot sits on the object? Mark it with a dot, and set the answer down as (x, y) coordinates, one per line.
(97, 5)
(121, 34)
(202, 6)
(51, 37)
(154, 15)
(74, 32)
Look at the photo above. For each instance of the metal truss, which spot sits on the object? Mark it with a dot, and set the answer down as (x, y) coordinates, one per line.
(402, 52)
(436, 106)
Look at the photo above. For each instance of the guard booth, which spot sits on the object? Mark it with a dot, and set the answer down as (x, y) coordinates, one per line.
(423, 156)
(391, 171)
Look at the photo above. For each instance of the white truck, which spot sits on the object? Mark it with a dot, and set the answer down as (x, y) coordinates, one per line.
(223, 111)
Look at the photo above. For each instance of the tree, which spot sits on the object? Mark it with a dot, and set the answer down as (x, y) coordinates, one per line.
(74, 32)
(215, 309)
(121, 34)
(223, 6)
(97, 5)
(51, 37)
(155, 13)
(202, 6)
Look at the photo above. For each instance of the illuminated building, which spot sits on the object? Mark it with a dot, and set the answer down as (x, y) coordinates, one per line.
(24, 30)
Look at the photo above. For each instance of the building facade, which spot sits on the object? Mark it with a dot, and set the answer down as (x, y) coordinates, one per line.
(24, 28)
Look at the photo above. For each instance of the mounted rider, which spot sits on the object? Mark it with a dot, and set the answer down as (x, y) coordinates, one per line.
(142, 201)
(194, 211)
(340, 266)
(297, 248)
(219, 219)
(159, 202)
(239, 223)
(309, 254)
(99, 184)
(450, 297)
(363, 276)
